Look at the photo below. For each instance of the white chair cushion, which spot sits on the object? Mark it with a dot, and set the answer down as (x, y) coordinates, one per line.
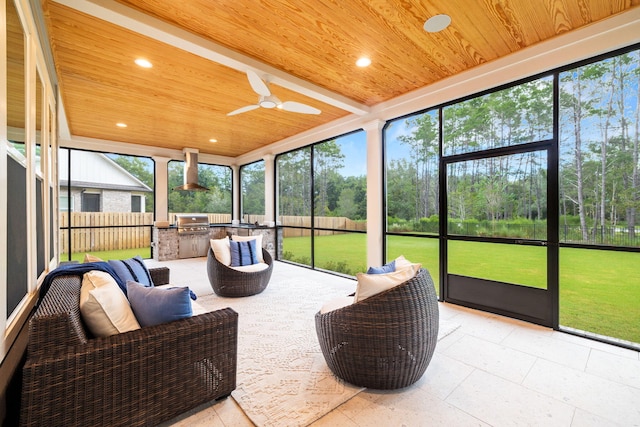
(104, 307)
(221, 250)
(372, 284)
(257, 238)
(251, 268)
(336, 303)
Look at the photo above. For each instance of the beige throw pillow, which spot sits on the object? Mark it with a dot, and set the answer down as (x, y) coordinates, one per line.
(221, 250)
(257, 238)
(372, 284)
(104, 307)
(91, 258)
(402, 263)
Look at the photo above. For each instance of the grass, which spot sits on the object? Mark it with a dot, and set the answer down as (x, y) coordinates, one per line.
(599, 290)
(107, 255)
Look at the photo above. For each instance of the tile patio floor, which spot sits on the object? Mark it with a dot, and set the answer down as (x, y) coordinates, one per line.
(492, 371)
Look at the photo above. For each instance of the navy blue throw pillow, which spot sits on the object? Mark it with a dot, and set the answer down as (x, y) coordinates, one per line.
(153, 306)
(243, 253)
(387, 268)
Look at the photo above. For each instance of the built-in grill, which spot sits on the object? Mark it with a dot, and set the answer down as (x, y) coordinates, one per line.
(192, 224)
(193, 235)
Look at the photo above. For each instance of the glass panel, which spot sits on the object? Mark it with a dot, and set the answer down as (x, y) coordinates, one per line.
(296, 245)
(511, 116)
(340, 182)
(294, 188)
(16, 272)
(294, 204)
(52, 173)
(252, 190)
(216, 202)
(503, 196)
(424, 250)
(65, 204)
(518, 264)
(97, 218)
(412, 174)
(599, 152)
(40, 216)
(600, 292)
(341, 252)
(17, 268)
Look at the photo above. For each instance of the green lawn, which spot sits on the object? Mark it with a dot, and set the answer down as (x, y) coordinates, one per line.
(599, 290)
(107, 255)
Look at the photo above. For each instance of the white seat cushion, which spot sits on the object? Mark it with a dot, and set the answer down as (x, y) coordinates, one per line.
(251, 268)
(372, 284)
(336, 303)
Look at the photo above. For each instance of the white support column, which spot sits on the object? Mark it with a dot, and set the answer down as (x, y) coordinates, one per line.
(375, 217)
(236, 202)
(162, 188)
(269, 188)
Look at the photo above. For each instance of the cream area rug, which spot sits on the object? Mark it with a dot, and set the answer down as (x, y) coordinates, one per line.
(283, 379)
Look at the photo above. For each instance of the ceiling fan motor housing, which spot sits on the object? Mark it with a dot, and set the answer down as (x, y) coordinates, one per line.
(269, 101)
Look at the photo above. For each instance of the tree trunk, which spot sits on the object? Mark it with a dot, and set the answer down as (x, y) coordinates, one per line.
(577, 115)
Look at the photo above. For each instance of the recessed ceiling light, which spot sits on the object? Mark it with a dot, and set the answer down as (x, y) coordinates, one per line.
(437, 23)
(213, 140)
(121, 125)
(144, 63)
(363, 62)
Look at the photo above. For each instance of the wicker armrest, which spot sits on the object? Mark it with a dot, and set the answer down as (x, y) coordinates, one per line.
(141, 377)
(159, 275)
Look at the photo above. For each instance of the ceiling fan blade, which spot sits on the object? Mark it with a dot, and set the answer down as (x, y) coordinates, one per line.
(297, 107)
(257, 84)
(243, 110)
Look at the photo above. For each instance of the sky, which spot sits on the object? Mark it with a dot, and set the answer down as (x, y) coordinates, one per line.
(354, 148)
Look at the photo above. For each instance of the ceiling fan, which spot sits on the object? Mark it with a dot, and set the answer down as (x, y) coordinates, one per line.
(267, 100)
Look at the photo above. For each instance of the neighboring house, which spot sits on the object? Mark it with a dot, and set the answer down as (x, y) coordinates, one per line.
(98, 184)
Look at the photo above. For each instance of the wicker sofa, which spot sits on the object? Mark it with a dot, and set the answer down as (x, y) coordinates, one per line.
(137, 378)
(385, 341)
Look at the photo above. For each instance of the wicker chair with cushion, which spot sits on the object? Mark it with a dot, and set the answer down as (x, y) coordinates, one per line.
(229, 282)
(137, 378)
(385, 341)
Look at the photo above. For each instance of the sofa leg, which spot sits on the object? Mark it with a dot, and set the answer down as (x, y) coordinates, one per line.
(221, 398)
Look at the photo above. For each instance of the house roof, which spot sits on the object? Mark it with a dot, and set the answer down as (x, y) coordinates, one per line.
(201, 51)
(97, 170)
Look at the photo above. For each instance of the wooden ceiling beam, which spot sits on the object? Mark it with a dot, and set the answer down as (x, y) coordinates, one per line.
(123, 16)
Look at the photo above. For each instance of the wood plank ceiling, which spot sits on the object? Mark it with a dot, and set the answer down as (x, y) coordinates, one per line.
(306, 48)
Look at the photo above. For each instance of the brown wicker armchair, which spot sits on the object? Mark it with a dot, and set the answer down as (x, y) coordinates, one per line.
(137, 378)
(385, 341)
(228, 282)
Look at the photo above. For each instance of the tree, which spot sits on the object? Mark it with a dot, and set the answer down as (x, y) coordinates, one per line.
(327, 159)
(140, 168)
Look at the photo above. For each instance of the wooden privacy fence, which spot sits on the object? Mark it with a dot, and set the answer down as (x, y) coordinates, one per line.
(332, 222)
(105, 231)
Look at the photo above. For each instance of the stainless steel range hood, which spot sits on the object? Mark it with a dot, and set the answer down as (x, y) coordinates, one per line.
(191, 172)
